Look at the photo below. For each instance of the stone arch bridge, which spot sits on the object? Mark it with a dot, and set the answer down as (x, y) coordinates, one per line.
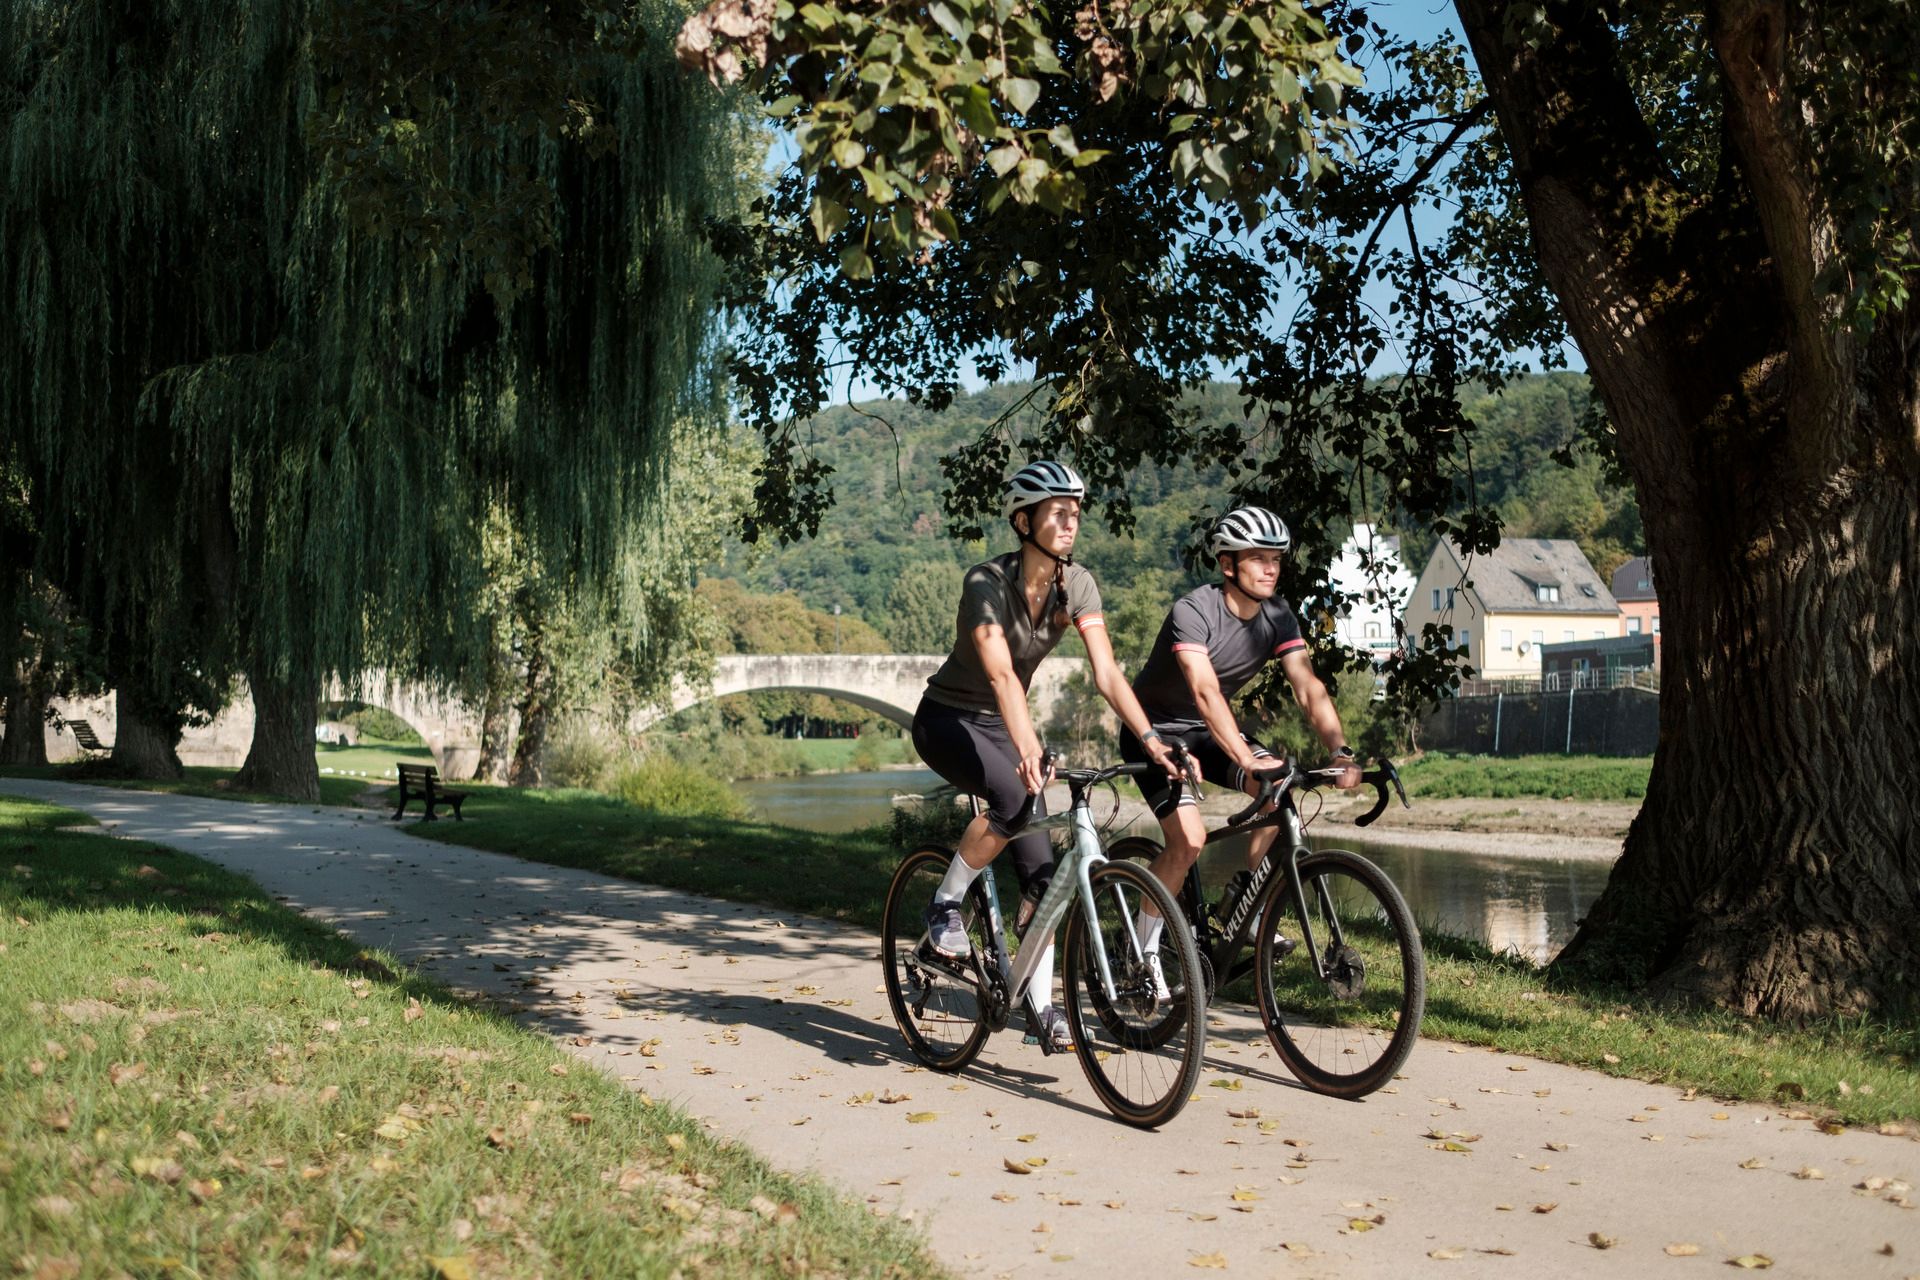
(886, 684)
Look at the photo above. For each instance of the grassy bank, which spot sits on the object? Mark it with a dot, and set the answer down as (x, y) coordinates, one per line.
(208, 783)
(1441, 777)
(370, 757)
(204, 1084)
(1860, 1072)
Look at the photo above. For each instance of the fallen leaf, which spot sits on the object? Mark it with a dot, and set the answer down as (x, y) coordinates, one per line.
(1547, 1207)
(1026, 1137)
(1753, 1162)
(1612, 1060)
(1682, 1250)
(1809, 1174)
(1445, 1255)
(1599, 1241)
(157, 1168)
(1006, 1197)
(1359, 1224)
(922, 1117)
(125, 1073)
(1751, 1262)
(1210, 1261)
(1015, 1166)
(414, 1012)
(1233, 1086)
(1556, 1146)
(781, 1211)
(203, 1189)
(677, 1142)
(1245, 1195)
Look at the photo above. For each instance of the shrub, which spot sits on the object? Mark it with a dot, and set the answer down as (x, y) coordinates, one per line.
(578, 754)
(935, 818)
(664, 784)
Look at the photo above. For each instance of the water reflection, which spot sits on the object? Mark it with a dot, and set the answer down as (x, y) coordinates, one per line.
(1527, 905)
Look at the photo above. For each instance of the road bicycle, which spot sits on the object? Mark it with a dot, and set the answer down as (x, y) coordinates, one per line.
(1142, 1054)
(1339, 973)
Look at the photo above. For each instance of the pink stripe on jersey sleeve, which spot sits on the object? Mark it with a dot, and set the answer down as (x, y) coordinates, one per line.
(1091, 620)
(1189, 648)
(1289, 647)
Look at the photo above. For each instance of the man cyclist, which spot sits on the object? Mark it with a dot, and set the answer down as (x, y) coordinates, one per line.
(1215, 640)
(973, 727)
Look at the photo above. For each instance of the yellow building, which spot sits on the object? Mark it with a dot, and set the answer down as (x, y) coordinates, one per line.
(1504, 605)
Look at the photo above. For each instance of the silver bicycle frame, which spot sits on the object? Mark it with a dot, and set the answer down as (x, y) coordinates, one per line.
(1073, 878)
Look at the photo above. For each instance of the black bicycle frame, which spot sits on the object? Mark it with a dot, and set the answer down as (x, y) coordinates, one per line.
(1236, 931)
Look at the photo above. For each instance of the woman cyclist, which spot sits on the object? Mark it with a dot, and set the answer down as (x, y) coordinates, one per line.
(973, 727)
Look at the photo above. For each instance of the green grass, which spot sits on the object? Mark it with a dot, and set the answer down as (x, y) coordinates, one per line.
(207, 783)
(1441, 777)
(202, 1083)
(374, 757)
(1474, 996)
(823, 755)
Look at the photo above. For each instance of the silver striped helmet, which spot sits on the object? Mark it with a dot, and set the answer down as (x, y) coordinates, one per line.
(1038, 481)
(1249, 529)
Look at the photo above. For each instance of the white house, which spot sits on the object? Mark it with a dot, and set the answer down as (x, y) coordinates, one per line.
(1504, 605)
(1369, 570)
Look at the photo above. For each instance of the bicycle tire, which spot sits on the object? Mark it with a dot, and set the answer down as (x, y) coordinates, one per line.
(1143, 1059)
(955, 1034)
(1349, 1033)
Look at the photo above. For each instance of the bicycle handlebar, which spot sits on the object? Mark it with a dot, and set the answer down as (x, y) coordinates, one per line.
(1291, 775)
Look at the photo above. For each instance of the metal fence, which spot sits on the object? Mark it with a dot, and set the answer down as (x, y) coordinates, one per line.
(1595, 722)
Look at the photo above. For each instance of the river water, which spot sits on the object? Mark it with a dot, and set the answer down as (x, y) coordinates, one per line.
(1529, 905)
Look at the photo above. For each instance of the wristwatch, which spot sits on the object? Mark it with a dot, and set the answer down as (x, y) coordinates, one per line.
(1344, 750)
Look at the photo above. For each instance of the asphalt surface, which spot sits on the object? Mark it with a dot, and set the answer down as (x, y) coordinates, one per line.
(774, 1030)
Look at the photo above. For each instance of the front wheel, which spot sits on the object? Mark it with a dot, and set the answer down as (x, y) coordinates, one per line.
(1142, 1055)
(1347, 1032)
(935, 1000)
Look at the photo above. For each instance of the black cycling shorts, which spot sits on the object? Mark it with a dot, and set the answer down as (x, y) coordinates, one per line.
(1216, 766)
(973, 751)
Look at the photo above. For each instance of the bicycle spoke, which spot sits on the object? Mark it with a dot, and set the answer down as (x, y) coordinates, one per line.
(1345, 1025)
(1142, 1055)
(935, 1001)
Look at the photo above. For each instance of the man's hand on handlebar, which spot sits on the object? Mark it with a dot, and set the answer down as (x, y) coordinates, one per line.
(1163, 755)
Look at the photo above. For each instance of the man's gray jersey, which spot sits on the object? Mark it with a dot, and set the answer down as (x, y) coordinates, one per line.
(1201, 621)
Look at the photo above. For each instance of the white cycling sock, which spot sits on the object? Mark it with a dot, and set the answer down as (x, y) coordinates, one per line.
(1040, 989)
(960, 878)
(1148, 927)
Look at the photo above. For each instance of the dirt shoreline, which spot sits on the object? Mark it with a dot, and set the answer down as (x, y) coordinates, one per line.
(1528, 827)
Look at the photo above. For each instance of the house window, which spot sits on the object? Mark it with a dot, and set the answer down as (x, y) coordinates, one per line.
(1633, 626)
(1566, 635)
(1436, 599)
(1599, 635)
(1466, 648)
(1506, 640)
(1656, 624)
(1546, 594)
(1539, 638)
(1373, 631)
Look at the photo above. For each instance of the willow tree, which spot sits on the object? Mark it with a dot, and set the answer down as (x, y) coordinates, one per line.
(1719, 205)
(307, 287)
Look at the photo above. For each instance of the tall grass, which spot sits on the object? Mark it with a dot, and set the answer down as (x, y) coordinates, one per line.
(1436, 776)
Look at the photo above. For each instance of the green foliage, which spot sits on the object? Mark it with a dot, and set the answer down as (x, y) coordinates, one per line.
(664, 783)
(372, 722)
(303, 307)
(920, 607)
(933, 819)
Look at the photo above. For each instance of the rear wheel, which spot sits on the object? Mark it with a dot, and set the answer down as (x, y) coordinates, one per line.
(935, 1000)
(1143, 1057)
(1344, 1034)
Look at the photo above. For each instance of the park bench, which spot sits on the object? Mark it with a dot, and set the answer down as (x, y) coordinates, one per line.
(84, 735)
(422, 782)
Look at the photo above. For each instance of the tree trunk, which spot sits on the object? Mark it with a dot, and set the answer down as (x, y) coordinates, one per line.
(281, 760)
(496, 720)
(144, 739)
(26, 740)
(1775, 865)
(536, 713)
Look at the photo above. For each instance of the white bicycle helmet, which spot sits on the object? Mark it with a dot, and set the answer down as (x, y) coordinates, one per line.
(1249, 529)
(1038, 481)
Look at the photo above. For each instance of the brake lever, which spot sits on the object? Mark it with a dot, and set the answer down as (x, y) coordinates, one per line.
(1380, 777)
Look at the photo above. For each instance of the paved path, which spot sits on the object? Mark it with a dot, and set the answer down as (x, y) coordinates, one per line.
(772, 1028)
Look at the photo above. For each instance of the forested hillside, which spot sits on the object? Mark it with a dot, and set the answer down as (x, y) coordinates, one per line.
(884, 556)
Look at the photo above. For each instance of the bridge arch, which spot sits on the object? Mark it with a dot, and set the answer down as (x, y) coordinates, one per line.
(887, 684)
